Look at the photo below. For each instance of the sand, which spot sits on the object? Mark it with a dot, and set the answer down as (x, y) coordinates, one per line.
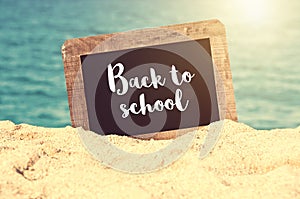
(39, 162)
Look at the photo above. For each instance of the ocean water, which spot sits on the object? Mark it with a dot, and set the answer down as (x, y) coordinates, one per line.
(263, 37)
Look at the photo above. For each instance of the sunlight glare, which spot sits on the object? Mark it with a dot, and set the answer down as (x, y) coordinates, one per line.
(253, 10)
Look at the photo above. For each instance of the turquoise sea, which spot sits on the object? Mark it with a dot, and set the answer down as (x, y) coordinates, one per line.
(263, 36)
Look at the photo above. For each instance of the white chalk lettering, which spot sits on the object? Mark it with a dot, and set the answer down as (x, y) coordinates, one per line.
(134, 82)
(186, 76)
(158, 105)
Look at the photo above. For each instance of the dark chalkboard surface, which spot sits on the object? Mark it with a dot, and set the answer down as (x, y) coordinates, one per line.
(197, 106)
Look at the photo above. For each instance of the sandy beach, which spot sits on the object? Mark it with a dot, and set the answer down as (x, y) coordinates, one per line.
(39, 162)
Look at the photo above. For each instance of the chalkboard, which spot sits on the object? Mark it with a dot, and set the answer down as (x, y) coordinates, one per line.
(152, 82)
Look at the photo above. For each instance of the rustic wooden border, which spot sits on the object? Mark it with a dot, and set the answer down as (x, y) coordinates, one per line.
(212, 29)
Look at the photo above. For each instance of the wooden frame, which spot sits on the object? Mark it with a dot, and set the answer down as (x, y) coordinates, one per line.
(212, 29)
